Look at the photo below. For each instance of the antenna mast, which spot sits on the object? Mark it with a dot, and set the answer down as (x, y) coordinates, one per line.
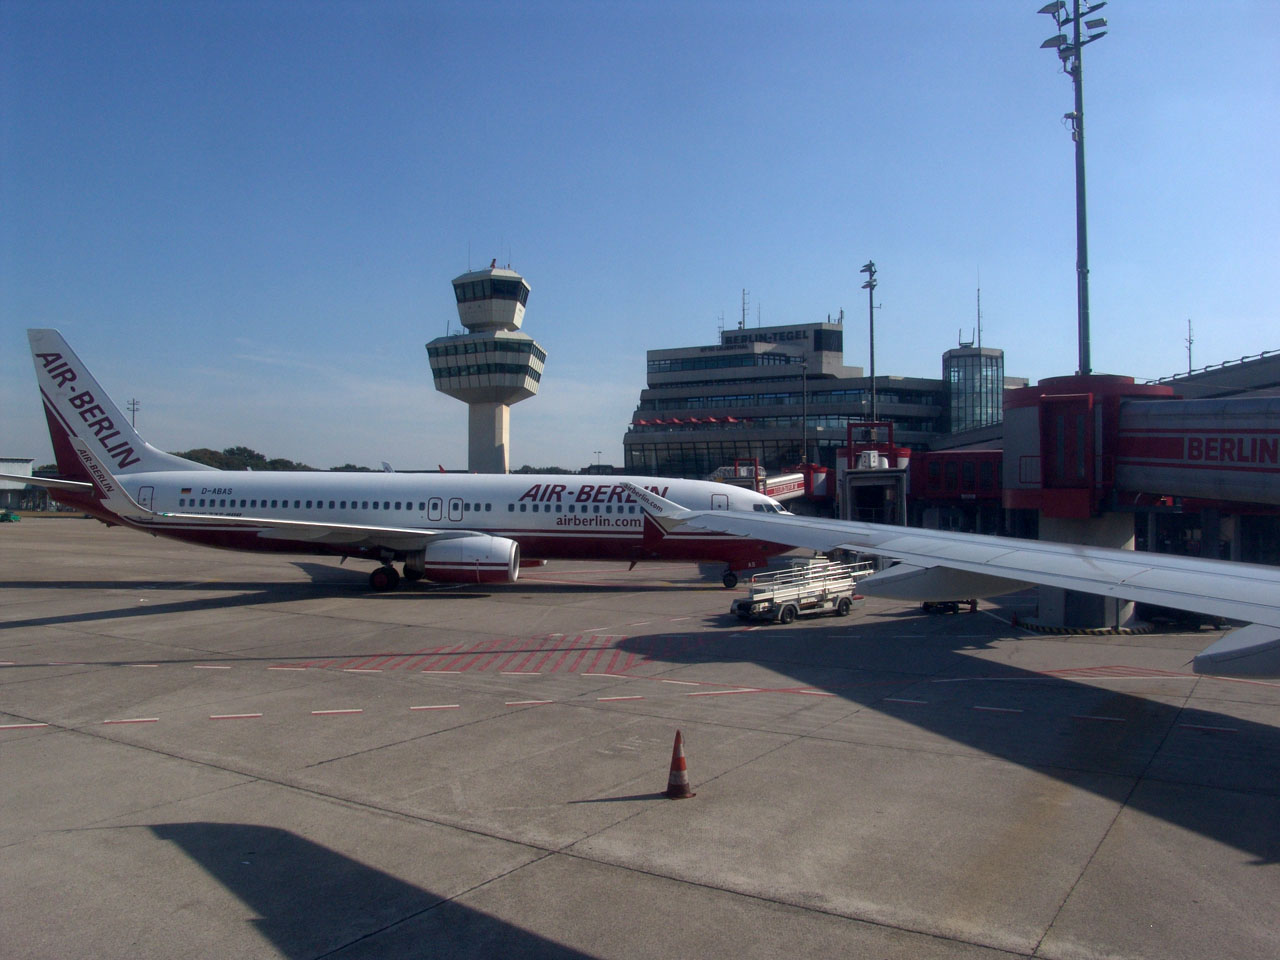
(742, 324)
(1190, 341)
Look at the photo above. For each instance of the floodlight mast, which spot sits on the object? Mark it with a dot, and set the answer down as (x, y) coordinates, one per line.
(869, 268)
(1070, 55)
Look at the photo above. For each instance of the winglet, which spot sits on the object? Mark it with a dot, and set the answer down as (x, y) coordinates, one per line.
(666, 513)
(1248, 651)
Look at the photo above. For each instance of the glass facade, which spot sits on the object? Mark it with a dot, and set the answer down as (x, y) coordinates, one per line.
(975, 387)
(526, 348)
(495, 288)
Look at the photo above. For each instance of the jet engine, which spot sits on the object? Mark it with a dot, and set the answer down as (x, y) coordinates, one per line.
(475, 558)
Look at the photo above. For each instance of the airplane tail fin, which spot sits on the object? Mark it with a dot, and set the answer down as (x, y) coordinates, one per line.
(76, 406)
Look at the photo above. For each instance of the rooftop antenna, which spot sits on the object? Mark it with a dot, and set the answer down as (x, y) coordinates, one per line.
(742, 324)
(1190, 341)
(757, 313)
(720, 323)
(979, 310)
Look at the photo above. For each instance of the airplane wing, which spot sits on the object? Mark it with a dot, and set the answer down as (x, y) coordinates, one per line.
(49, 482)
(943, 565)
(118, 500)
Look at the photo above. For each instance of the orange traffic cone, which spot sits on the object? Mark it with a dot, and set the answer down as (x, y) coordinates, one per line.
(678, 781)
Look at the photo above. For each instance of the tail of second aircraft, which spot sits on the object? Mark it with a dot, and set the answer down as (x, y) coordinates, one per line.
(77, 406)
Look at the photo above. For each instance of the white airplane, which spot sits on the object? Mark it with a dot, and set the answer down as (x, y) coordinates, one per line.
(940, 565)
(458, 528)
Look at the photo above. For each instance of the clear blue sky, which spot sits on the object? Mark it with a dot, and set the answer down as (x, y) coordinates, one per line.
(247, 215)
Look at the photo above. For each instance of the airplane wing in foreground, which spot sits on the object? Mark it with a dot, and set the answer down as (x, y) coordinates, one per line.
(943, 565)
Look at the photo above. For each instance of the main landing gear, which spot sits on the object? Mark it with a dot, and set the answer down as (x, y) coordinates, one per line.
(384, 578)
(730, 579)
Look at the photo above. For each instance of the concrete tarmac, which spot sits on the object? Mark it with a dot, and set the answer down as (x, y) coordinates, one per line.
(223, 754)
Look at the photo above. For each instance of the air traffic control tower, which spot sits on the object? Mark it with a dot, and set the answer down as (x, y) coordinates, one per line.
(492, 365)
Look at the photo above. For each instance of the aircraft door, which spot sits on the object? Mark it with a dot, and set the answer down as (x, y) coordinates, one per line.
(146, 496)
(719, 501)
(435, 508)
(455, 508)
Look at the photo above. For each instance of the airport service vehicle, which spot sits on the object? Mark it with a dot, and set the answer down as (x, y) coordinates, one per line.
(940, 565)
(8, 516)
(803, 589)
(455, 528)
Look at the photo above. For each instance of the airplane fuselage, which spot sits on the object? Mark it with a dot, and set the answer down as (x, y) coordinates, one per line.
(549, 516)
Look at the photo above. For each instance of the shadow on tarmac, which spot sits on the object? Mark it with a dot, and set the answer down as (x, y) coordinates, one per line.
(326, 582)
(1213, 774)
(312, 901)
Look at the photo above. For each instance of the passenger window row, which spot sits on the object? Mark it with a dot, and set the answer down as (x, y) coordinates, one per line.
(284, 504)
(561, 508)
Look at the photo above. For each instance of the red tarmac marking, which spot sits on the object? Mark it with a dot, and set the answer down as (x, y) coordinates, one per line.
(234, 716)
(134, 720)
(437, 706)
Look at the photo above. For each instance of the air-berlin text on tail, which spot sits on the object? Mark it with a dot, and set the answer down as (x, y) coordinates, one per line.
(586, 493)
(94, 417)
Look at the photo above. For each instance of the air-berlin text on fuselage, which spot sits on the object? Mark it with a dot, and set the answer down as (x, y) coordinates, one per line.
(1233, 449)
(94, 417)
(586, 493)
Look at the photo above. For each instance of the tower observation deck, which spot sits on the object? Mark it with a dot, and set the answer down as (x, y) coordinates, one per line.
(491, 366)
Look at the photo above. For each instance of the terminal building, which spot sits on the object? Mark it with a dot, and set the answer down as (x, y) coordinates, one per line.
(783, 396)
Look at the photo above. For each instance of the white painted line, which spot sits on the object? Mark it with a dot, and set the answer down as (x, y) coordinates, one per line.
(998, 709)
(526, 703)
(21, 726)
(361, 670)
(135, 720)
(437, 706)
(817, 693)
(234, 716)
(141, 664)
(1088, 716)
(286, 668)
(721, 693)
(441, 671)
(678, 619)
(208, 666)
(1198, 726)
(330, 713)
(615, 676)
(640, 623)
(904, 700)
(604, 699)
(520, 673)
(65, 663)
(7, 663)
(683, 683)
